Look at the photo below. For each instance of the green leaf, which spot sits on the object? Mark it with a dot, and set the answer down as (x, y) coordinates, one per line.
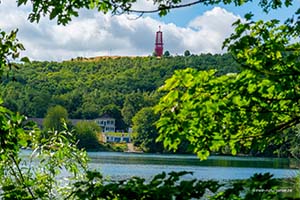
(53, 13)
(248, 16)
(25, 60)
(203, 154)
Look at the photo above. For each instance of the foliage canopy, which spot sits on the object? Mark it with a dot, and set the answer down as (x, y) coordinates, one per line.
(87, 135)
(55, 118)
(145, 130)
(64, 10)
(119, 87)
(241, 110)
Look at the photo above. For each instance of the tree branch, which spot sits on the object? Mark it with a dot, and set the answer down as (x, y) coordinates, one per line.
(283, 126)
(166, 7)
(22, 177)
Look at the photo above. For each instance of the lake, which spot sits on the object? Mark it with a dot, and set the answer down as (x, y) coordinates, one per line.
(125, 165)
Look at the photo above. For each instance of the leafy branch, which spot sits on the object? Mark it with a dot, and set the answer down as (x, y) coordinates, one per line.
(64, 10)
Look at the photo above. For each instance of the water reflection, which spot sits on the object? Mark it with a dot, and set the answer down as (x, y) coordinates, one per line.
(190, 160)
(125, 165)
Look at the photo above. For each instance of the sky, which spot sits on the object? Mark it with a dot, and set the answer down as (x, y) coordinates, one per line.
(199, 29)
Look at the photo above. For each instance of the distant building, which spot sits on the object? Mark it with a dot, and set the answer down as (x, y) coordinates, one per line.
(107, 123)
(116, 137)
(159, 43)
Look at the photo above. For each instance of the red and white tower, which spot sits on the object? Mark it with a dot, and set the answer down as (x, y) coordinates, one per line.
(159, 43)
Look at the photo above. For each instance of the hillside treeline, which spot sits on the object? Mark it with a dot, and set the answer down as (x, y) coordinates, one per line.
(119, 86)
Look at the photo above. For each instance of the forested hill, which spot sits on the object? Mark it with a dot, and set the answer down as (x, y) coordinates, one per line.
(119, 86)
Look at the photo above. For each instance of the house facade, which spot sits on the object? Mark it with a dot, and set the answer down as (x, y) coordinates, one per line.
(107, 123)
(116, 137)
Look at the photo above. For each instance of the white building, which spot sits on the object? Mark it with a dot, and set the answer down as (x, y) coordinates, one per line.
(107, 123)
(116, 137)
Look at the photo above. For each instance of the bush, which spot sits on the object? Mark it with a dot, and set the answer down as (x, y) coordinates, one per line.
(87, 135)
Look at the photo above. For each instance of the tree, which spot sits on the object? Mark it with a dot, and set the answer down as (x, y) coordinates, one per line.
(55, 118)
(187, 53)
(242, 110)
(133, 103)
(167, 54)
(10, 48)
(87, 134)
(145, 132)
(36, 178)
(89, 110)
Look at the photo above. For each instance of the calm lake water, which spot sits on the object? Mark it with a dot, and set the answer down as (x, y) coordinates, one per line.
(125, 165)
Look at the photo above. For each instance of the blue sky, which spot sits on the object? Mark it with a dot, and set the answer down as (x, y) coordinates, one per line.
(199, 28)
(182, 16)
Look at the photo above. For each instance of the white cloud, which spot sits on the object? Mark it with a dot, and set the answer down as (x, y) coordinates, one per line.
(211, 29)
(144, 5)
(95, 34)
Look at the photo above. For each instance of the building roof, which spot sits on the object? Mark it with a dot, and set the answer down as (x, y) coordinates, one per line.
(105, 116)
(40, 121)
